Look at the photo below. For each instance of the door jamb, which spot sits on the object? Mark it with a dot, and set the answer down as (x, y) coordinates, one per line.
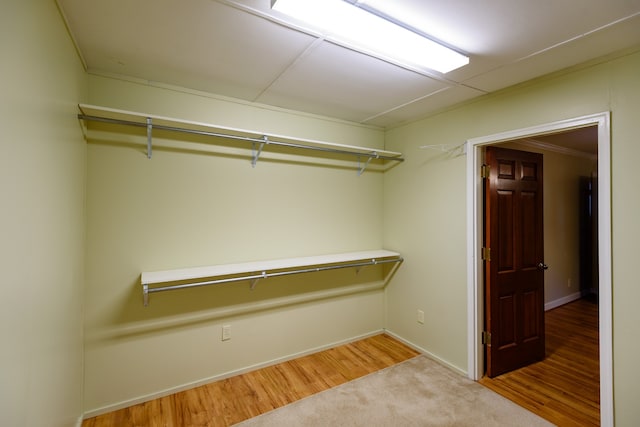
(475, 281)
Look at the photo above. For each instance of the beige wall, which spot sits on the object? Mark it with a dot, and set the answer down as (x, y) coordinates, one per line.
(425, 210)
(42, 165)
(197, 206)
(191, 205)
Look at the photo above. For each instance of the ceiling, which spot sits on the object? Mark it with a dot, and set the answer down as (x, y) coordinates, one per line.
(242, 49)
(581, 142)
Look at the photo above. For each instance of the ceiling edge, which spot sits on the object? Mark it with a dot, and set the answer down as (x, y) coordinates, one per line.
(71, 35)
(211, 95)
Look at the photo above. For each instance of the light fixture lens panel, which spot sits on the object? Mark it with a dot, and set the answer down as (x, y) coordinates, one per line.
(360, 30)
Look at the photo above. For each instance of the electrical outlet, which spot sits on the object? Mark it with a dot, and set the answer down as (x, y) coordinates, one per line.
(226, 332)
(420, 316)
(568, 283)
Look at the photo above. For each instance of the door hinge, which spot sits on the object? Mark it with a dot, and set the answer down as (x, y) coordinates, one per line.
(486, 338)
(486, 254)
(484, 171)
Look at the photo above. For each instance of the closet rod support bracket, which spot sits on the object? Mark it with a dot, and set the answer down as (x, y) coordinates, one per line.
(254, 282)
(145, 294)
(256, 154)
(362, 167)
(149, 138)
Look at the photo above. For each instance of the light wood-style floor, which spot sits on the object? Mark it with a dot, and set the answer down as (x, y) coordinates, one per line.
(565, 387)
(238, 398)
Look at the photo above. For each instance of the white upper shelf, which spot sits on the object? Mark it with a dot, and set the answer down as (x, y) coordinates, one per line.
(110, 115)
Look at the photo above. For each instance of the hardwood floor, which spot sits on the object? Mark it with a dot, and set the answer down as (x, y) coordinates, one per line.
(565, 387)
(238, 398)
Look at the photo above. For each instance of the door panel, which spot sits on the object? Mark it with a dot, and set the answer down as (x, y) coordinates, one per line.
(531, 315)
(529, 255)
(507, 310)
(505, 231)
(514, 284)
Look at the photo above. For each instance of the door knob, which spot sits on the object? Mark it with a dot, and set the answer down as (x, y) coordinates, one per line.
(543, 266)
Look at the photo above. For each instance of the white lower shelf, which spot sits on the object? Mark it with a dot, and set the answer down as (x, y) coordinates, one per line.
(256, 270)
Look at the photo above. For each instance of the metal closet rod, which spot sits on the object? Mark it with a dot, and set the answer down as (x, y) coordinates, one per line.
(263, 275)
(371, 155)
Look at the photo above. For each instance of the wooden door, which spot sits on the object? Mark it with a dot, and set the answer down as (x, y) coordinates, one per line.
(514, 261)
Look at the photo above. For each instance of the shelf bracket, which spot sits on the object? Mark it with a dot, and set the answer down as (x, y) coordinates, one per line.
(145, 294)
(149, 129)
(362, 167)
(455, 151)
(254, 282)
(256, 154)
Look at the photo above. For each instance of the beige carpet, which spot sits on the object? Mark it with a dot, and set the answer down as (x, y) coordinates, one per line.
(418, 392)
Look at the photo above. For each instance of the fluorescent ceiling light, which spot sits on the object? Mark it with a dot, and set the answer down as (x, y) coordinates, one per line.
(347, 24)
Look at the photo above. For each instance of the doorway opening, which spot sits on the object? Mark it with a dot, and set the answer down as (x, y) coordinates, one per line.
(475, 149)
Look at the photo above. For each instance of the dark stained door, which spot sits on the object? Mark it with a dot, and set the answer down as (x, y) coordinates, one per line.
(514, 266)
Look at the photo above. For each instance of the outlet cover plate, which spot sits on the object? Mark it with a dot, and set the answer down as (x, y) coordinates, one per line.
(226, 332)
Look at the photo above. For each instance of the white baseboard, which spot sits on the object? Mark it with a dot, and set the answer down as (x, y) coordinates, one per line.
(562, 301)
(183, 387)
(427, 353)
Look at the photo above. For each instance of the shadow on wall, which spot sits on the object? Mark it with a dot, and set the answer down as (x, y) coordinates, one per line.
(185, 307)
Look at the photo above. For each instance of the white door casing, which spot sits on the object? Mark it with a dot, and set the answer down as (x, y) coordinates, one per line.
(475, 274)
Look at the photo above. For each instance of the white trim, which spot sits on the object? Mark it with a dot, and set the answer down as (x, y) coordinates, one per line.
(475, 354)
(426, 353)
(562, 301)
(557, 149)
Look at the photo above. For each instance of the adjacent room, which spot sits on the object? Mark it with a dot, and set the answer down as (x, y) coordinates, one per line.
(226, 211)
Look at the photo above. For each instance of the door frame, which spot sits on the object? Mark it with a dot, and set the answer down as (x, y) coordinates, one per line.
(475, 281)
